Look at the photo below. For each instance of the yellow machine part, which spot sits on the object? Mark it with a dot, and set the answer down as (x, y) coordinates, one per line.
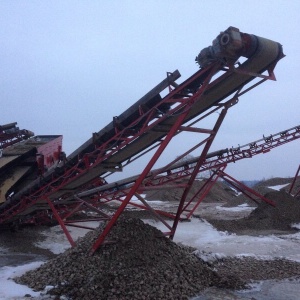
(12, 178)
(7, 159)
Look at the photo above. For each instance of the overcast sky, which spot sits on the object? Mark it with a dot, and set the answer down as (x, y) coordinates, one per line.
(68, 67)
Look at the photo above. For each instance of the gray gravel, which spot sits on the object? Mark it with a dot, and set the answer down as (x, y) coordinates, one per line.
(266, 218)
(250, 269)
(141, 264)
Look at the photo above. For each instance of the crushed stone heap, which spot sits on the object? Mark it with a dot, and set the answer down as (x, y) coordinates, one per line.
(140, 263)
(266, 217)
(283, 215)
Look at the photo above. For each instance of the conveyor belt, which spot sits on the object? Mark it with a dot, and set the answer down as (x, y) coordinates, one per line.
(264, 55)
(213, 160)
(267, 53)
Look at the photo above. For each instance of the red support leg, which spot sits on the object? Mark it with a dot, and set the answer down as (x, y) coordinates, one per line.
(239, 188)
(200, 162)
(139, 181)
(206, 188)
(246, 188)
(172, 132)
(294, 181)
(61, 222)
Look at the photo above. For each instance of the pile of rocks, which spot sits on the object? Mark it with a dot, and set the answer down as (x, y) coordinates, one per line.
(262, 188)
(285, 212)
(252, 269)
(138, 263)
(266, 217)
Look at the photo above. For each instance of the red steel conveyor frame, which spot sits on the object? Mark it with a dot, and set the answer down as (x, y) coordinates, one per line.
(192, 98)
(167, 177)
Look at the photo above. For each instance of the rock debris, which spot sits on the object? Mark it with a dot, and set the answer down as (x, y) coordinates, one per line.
(139, 263)
(266, 217)
(252, 269)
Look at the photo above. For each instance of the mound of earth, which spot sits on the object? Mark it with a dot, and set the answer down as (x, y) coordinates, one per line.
(219, 192)
(266, 217)
(274, 181)
(138, 263)
(267, 186)
(263, 187)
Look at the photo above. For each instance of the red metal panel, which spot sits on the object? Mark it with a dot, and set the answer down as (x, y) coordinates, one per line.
(51, 149)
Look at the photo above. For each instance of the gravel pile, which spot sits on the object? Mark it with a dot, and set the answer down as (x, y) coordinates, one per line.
(251, 269)
(139, 263)
(266, 217)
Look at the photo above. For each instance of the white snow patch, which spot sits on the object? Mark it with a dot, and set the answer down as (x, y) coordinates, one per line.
(153, 203)
(57, 241)
(278, 187)
(241, 207)
(296, 226)
(134, 198)
(10, 289)
(237, 193)
(208, 256)
(204, 237)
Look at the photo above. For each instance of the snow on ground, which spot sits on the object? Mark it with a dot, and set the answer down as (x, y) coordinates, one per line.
(296, 226)
(241, 207)
(11, 290)
(135, 201)
(56, 240)
(153, 203)
(237, 193)
(203, 236)
(278, 187)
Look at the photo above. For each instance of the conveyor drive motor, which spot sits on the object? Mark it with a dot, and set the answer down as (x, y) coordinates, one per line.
(227, 48)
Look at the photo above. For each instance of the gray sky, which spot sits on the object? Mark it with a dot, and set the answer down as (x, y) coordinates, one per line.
(68, 67)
